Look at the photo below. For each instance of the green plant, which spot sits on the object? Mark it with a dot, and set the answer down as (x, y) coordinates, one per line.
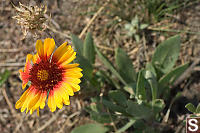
(134, 28)
(4, 76)
(132, 100)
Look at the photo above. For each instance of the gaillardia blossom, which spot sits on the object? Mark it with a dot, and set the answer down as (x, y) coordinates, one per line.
(50, 75)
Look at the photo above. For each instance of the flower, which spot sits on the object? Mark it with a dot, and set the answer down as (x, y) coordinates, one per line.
(50, 75)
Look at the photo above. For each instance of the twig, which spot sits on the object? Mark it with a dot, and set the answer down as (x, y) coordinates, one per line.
(171, 30)
(19, 124)
(54, 117)
(10, 50)
(197, 68)
(104, 47)
(13, 111)
(11, 64)
(58, 32)
(92, 19)
(67, 121)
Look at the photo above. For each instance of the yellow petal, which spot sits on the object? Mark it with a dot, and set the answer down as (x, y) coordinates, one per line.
(75, 87)
(65, 56)
(44, 97)
(68, 66)
(49, 46)
(68, 88)
(40, 48)
(34, 100)
(36, 58)
(72, 80)
(28, 98)
(70, 59)
(65, 96)
(51, 101)
(58, 98)
(60, 51)
(73, 74)
(22, 99)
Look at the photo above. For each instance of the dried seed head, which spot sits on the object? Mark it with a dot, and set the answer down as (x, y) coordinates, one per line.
(31, 18)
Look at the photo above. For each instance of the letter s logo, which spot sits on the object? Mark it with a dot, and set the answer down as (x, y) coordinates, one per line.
(193, 123)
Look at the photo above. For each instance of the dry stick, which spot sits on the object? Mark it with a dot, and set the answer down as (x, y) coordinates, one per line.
(66, 122)
(19, 124)
(92, 19)
(14, 113)
(58, 32)
(104, 47)
(10, 50)
(11, 64)
(53, 118)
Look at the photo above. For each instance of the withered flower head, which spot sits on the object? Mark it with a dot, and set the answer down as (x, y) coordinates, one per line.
(31, 18)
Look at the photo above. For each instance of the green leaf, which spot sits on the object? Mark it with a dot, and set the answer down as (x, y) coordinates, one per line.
(143, 26)
(98, 115)
(107, 63)
(125, 127)
(137, 38)
(124, 65)
(170, 77)
(139, 111)
(90, 128)
(113, 106)
(4, 76)
(151, 68)
(198, 109)
(158, 105)
(86, 66)
(140, 88)
(78, 44)
(108, 78)
(131, 89)
(88, 48)
(135, 21)
(190, 107)
(118, 96)
(153, 83)
(166, 54)
(128, 26)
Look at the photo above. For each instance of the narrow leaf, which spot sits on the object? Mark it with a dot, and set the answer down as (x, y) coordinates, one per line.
(90, 128)
(151, 68)
(140, 88)
(86, 66)
(125, 127)
(113, 106)
(88, 48)
(107, 63)
(124, 65)
(78, 44)
(153, 83)
(170, 77)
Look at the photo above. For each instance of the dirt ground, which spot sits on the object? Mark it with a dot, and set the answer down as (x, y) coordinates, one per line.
(71, 16)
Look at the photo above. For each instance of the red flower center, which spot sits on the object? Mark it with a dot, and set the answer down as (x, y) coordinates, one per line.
(45, 75)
